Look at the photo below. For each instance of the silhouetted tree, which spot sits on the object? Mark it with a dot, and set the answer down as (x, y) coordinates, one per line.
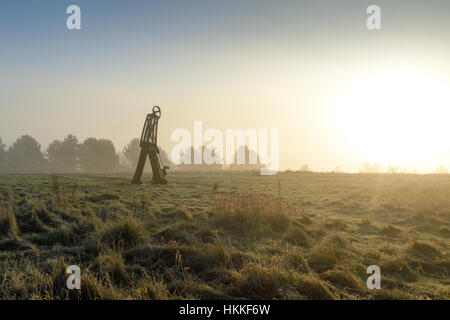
(441, 170)
(25, 156)
(63, 155)
(2, 156)
(98, 155)
(132, 151)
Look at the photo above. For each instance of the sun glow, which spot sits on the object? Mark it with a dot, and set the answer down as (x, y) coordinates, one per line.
(396, 117)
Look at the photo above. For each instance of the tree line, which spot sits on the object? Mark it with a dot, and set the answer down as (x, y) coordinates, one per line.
(93, 155)
(368, 167)
(375, 168)
(100, 156)
(69, 156)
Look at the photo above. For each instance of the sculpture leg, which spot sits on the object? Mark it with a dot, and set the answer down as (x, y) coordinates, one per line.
(140, 166)
(158, 175)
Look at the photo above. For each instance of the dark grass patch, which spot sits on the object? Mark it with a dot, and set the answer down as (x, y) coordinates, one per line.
(15, 244)
(103, 197)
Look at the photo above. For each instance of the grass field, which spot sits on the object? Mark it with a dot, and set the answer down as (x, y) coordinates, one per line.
(225, 236)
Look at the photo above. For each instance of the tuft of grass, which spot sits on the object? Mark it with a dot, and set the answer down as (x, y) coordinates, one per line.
(127, 232)
(297, 262)
(56, 185)
(216, 255)
(344, 279)
(390, 231)
(313, 288)
(252, 212)
(182, 212)
(444, 230)
(177, 232)
(8, 224)
(257, 282)
(329, 252)
(365, 222)
(398, 267)
(391, 294)
(322, 259)
(95, 288)
(179, 212)
(150, 289)
(111, 264)
(298, 237)
(424, 250)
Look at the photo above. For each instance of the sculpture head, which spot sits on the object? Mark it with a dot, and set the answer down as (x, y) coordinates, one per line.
(157, 111)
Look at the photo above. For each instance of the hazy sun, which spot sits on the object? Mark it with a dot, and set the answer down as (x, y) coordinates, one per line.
(397, 117)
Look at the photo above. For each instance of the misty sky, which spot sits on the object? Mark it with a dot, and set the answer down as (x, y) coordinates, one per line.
(339, 93)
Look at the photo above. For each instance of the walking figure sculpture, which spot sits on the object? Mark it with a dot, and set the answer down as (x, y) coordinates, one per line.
(149, 148)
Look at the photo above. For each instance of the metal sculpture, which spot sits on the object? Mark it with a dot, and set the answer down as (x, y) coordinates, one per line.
(150, 148)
